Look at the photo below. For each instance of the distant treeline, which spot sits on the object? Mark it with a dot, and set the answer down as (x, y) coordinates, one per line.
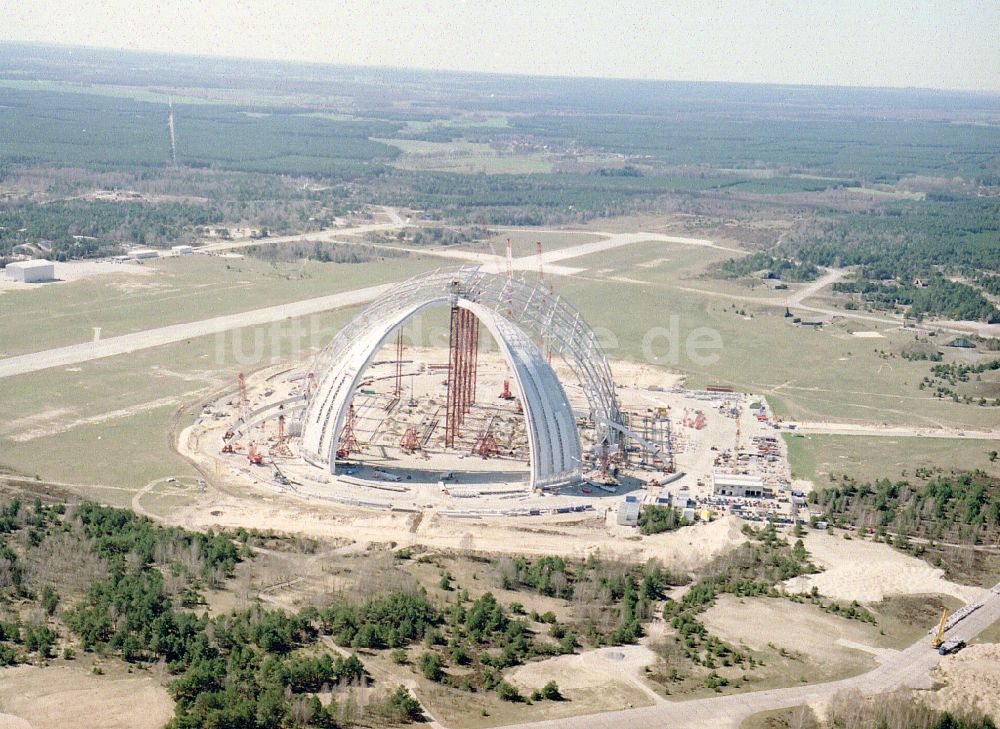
(904, 254)
(79, 229)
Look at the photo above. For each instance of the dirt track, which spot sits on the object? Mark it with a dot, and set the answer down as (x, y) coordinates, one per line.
(895, 431)
(909, 668)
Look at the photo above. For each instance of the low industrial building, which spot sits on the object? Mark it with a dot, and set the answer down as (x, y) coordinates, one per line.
(738, 485)
(182, 250)
(141, 253)
(34, 271)
(961, 343)
(628, 513)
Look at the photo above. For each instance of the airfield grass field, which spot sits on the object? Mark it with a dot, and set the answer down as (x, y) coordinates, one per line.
(524, 242)
(180, 289)
(807, 374)
(467, 157)
(107, 424)
(815, 457)
(128, 402)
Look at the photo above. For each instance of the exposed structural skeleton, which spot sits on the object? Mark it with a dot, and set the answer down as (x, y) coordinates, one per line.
(519, 314)
(463, 353)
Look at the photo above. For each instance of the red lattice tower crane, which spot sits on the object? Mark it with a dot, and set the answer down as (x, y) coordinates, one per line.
(241, 380)
(463, 351)
(399, 362)
(281, 445)
(486, 445)
(348, 441)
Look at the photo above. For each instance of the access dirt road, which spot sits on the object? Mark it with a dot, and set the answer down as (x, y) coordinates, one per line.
(892, 431)
(909, 668)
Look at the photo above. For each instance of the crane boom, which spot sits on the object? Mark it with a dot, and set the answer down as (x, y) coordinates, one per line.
(939, 636)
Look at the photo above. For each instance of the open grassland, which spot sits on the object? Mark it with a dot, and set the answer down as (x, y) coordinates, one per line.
(466, 157)
(990, 635)
(807, 374)
(815, 457)
(184, 288)
(70, 694)
(107, 424)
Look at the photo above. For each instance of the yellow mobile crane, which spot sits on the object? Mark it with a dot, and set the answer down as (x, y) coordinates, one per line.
(939, 636)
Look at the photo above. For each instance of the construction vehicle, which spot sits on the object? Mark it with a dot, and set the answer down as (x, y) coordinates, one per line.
(939, 635)
(255, 457)
(951, 646)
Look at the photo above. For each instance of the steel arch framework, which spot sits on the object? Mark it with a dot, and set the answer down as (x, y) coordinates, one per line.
(513, 310)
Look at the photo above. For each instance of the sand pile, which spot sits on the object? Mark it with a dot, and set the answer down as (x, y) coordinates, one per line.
(972, 679)
(867, 571)
(60, 696)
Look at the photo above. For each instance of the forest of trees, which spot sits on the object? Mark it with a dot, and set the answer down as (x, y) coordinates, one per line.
(654, 519)
(82, 229)
(892, 247)
(253, 668)
(762, 263)
(963, 508)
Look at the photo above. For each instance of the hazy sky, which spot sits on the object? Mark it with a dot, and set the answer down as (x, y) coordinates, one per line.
(951, 44)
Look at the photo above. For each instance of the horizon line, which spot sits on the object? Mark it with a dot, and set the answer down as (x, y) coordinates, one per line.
(989, 93)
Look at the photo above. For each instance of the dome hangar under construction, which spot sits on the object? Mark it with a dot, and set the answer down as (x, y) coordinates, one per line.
(351, 424)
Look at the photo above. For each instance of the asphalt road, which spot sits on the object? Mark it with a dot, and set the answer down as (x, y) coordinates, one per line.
(128, 343)
(908, 668)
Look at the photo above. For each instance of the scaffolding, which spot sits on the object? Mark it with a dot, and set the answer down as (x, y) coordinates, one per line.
(241, 380)
(399, 362)
(281, 444)
(521, 315)
(463, 354)
(348, 441)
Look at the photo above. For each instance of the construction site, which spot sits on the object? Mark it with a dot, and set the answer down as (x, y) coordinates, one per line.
(531, 421)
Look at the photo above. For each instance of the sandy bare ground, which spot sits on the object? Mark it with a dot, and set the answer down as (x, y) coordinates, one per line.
(971, 678)
(909, 668)
(866, 571)
(59, 696)
(686, 548)
(823, 639)
(607, 669)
